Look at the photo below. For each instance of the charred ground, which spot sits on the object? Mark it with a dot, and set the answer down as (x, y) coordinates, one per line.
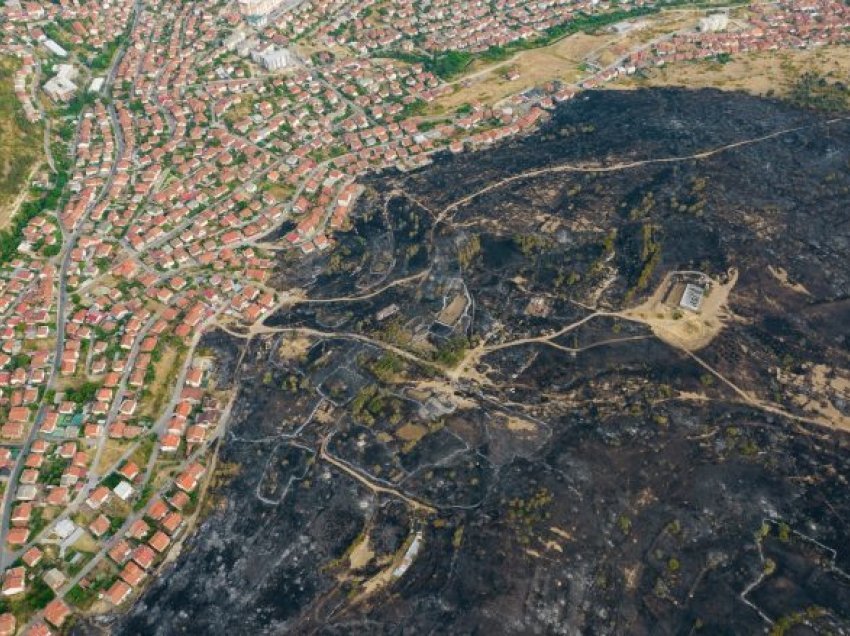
(460, 431)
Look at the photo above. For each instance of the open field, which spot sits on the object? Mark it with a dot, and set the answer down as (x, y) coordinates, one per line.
(486, 82)
(165, 371)
(20, 145)
(361, 554)
(770, 73)
(241, 110)
(686, 330)
(563, 60)
(86, 543)
(111, 453)
(569, 60)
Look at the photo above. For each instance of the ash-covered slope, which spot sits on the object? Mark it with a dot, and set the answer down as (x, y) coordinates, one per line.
(558, 473)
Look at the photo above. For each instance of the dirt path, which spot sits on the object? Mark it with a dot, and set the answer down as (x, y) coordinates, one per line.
(446, 213)
(363, 479)
(292, 298)
(259, 330)
(762, 405)
(466, 367)
(377, 292)
(547, 338)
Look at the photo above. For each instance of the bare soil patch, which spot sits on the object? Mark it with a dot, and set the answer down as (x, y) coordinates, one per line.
(411, 432)
(294, 347)
(781, 275)
(771, 73)
(684, 329)
(361, 555)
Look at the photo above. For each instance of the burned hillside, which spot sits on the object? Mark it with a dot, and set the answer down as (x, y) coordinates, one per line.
(594, 380)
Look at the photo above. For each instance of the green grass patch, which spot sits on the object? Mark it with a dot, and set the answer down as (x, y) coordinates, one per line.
(81, 598)
(37, 596)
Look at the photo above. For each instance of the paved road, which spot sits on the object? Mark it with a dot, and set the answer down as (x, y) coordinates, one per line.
(119, 534)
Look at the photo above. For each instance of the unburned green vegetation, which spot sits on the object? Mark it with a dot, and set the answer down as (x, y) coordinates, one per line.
(451, 64)
(818, 92)
(20, 144)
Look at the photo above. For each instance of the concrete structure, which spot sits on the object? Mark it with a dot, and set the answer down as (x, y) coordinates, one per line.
(124, 490)
(258, 12)
(26, 493)
(692, 297)
(714, 22)
(409, 556)
(386, 312)
(252, 8)
(61, 87)
(65, 529)
(54, 48)
(54, 578)
(234, 39)
(245, 46)
(273, 58)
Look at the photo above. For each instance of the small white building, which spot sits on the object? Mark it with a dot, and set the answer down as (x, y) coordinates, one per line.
(252, 8)
(26, 492)
(124, 490)
(692, 297)
(61, 87)
(54, 48)
(714, 22)
(64, 529)
(234, 39)
(272, 58)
